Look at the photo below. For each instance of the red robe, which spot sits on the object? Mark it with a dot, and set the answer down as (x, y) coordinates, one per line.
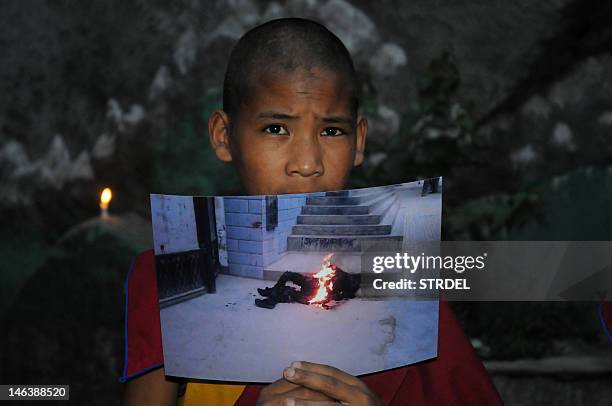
(455, 377)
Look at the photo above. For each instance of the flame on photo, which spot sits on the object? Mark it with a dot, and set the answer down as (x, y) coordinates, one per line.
(326, 281)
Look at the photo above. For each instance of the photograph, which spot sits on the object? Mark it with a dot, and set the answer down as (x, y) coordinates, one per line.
(246, 284)
(201, 202)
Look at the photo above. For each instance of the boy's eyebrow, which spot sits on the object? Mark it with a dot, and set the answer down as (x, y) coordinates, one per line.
(276, 115)
(338, 119)
(283, 116)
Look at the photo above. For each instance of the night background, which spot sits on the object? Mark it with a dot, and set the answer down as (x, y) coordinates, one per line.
(510, 101)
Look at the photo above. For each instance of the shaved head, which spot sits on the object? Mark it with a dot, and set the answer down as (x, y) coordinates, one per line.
(281, 47)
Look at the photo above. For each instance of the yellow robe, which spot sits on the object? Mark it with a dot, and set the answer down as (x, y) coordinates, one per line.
(214, 394)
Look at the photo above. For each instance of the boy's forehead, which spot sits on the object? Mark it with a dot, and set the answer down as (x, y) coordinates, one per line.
(316, 89)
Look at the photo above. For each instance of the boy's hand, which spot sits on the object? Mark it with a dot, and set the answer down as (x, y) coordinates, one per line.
(330, 381)
(277, 394)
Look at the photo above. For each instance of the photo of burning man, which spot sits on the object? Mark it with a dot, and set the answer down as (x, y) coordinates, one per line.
(249, 283)
(328, 286)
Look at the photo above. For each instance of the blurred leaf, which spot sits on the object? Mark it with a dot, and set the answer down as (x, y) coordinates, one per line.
(184, 160)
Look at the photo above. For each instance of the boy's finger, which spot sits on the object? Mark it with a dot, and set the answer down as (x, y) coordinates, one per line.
(304, 402)
(276, 393)
(280, 386)
(305, 394)
(327, 384)
(329, 371)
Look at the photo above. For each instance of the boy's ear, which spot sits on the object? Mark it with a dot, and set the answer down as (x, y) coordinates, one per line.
(361, 133)
(219, 134)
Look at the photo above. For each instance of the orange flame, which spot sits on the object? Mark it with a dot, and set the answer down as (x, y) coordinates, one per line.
(326, 282)
(105, 198)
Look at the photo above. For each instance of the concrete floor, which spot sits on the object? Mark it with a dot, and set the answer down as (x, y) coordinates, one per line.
(224, 336)
(419, 217)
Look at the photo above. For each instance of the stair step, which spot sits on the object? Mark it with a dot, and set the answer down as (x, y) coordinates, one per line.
(334, 219)
(332, 201)
(371, 190)
(321, 230)
(335, 210)
(376, 201)
(338, 193)
(344, 243)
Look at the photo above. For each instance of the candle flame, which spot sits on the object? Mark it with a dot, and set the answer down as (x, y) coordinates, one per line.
(105, 198)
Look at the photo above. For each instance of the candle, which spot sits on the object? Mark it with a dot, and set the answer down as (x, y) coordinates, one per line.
(105, 198)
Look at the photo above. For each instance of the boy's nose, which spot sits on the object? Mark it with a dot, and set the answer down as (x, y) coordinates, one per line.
(305, 158)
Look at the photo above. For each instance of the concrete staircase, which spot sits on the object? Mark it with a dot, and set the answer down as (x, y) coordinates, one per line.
(342, 222)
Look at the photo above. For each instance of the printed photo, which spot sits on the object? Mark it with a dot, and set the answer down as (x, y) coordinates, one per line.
(248, 284)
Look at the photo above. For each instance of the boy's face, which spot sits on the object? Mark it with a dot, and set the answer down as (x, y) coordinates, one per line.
(296, 133)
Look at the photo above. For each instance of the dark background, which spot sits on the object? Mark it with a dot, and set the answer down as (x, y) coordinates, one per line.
(510, 101)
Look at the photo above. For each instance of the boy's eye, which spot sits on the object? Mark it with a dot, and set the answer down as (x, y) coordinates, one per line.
(332, 132)
(276, 129)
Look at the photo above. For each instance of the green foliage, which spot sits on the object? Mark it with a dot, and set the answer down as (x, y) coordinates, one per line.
(491, 216)
(72, 304)
(438, 136)
(528, 329)
(184, 160)
(21, 257)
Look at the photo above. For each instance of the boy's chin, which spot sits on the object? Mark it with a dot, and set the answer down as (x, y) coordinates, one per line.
(295, 189)
(298, 189)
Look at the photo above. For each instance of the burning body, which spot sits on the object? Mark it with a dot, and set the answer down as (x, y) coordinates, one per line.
(329, 284)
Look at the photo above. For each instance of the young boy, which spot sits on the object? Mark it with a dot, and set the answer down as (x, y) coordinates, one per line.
(290, 124)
